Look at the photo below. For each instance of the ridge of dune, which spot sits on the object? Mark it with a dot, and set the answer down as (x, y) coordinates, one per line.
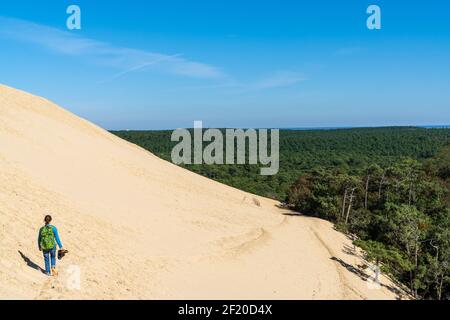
(139, 227)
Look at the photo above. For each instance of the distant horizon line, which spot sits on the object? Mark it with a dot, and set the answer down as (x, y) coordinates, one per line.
(446, 126)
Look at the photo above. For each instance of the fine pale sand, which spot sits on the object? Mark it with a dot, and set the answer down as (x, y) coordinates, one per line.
(138, 227)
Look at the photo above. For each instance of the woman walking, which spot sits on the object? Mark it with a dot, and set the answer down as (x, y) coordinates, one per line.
(47, 241)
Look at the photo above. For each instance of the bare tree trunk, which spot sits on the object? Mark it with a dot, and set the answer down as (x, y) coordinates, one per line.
(439, 288)
(350, 201)
(439, 279)
(367, 191)
(343, 202)
(416, 259)
(416, 254)
(411, 286)
(377, 272)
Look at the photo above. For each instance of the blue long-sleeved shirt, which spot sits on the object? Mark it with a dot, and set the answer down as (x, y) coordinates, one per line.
(55, 233)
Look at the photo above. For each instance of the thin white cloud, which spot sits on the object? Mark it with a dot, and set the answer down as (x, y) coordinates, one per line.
(278, 79)
(138, 68)
(126, 59)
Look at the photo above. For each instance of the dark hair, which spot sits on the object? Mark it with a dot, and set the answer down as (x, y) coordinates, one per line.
(48, 219)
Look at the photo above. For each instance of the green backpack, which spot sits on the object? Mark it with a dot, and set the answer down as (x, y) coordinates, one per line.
(47, 238)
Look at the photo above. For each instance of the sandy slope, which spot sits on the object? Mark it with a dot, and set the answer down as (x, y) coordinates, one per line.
(139, 227)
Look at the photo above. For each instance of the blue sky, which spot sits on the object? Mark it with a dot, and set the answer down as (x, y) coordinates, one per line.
(163, 64)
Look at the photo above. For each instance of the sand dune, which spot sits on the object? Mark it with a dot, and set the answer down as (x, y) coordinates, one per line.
(138, 227)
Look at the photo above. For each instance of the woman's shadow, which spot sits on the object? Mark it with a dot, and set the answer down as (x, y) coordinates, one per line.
(30, 263)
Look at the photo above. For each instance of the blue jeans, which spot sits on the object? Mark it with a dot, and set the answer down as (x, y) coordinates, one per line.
(49, 259)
